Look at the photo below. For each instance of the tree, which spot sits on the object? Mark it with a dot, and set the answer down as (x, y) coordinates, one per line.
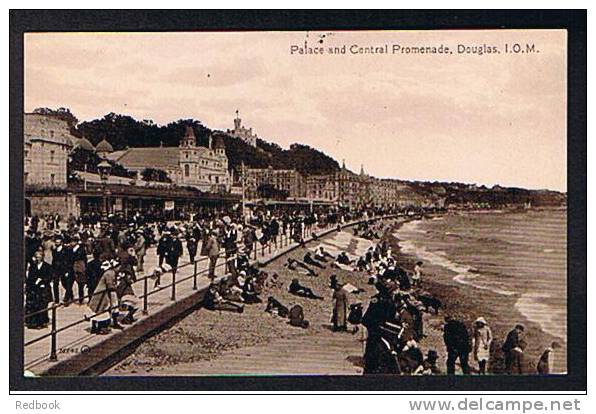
(82, 160)
(154, 174)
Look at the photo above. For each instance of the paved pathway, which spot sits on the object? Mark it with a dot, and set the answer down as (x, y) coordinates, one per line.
(78, 338)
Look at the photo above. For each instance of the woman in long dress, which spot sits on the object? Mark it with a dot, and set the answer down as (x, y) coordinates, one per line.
(38, 292)
(483, 338)
(340, 309)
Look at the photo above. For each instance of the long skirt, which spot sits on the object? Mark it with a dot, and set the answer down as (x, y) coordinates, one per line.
(36, 303)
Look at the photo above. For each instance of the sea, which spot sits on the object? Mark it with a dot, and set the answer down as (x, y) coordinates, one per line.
(521, 254)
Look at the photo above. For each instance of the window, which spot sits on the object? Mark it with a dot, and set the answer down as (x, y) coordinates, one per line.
(52, 179)
(186, 170)
(52, 153)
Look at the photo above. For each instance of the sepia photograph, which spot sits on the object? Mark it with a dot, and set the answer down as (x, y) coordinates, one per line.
(360, 203)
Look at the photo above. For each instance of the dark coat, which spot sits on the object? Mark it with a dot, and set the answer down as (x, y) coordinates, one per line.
(456, 336)
(191, 246)
(62, 260)
(380, 357)
(174, 252)
(93, 274)
(38, 292)
(512, 341)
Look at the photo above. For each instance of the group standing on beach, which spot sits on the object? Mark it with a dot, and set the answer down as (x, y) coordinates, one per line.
(103, 259)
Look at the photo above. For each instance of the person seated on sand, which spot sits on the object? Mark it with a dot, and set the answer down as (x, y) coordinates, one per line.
(214, 301)
(274, 281)
(296, 317)
(276, 307)
(429, 365)
(294, 264)
(411, 357)
(322, 255)
(344, 259)
(361, 264)
(297, 289)
(308, 259)
(249, 293)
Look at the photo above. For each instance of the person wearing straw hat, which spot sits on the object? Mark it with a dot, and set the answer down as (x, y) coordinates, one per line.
(482, 339)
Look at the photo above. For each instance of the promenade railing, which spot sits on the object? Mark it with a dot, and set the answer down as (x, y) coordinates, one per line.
(283, 240)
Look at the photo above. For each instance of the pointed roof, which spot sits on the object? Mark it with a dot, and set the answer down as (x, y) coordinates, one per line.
(189, 133)
(218, 142)
(362, 169)
(85, 144)
(104, 146)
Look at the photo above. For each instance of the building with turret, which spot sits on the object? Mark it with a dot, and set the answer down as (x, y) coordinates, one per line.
(189, 164)
(239, 131)
(47, 143)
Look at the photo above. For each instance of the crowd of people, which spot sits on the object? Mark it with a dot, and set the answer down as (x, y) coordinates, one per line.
(104, 257)
(395, 325)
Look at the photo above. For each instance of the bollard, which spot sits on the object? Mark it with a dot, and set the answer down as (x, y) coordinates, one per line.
(194, 276)
(53, 355)
(173, 283)
(145, 296)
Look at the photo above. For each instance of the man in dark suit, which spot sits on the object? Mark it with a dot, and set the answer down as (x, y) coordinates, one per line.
(458, 343)
(174, 251)
(381, 311)
(62, 264)
(513, 350)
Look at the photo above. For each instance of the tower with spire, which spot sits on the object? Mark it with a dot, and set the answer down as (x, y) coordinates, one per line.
(245, 134)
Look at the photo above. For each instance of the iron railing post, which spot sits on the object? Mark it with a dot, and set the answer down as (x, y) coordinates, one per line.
(194, 276)
(145, 282)
(53, 354)
(173, 283)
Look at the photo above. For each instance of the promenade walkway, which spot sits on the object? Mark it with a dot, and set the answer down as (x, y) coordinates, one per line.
(78, 351)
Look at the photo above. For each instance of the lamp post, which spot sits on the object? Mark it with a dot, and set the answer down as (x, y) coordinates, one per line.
(104, 169)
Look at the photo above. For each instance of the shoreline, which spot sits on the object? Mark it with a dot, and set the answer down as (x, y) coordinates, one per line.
(468, 302)
(186, 349)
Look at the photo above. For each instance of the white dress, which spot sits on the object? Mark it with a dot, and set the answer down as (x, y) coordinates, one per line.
(482, 340)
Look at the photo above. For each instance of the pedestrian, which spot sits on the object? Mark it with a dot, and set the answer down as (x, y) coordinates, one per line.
(62, 263)
(212, 250)
(79, 266)
(482, 340)
(163, 246)
(417, 275)
(140, 247)
(191, 246)
(546, 362)
(513, 350)
(38, 292)
(457, 341)
(340, 308)
(104, 301)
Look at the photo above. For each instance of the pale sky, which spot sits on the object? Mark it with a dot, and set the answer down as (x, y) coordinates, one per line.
(490, 119)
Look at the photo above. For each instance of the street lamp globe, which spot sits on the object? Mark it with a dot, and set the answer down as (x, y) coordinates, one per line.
(104, 168)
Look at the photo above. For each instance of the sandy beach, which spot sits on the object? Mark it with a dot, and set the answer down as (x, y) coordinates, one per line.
(204, 340)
